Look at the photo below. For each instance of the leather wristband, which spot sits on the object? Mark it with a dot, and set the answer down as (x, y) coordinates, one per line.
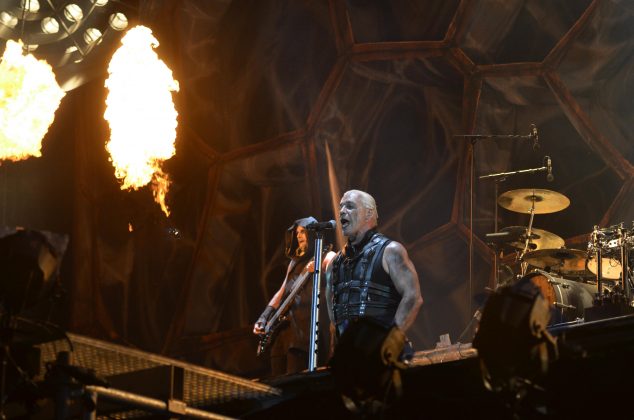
(266, 314)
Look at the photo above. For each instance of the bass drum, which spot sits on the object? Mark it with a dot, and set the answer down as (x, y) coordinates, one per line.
(567, 298)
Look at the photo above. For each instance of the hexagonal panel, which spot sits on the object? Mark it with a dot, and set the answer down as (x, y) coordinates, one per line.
(509, 106)
(517, 31)
(256, 199)
(387, 125)
(399, 20)
(442, 263)
(598, 68)
(261, 75)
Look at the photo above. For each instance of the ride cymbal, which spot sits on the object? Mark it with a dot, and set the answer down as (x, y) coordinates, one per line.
(543, 201)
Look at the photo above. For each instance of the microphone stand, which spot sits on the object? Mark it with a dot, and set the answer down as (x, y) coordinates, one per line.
(473, 138)
(314, 310)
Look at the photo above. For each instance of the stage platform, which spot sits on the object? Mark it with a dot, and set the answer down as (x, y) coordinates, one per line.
(593, 377)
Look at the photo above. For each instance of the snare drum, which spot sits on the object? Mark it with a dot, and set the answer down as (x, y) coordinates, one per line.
(568, 299)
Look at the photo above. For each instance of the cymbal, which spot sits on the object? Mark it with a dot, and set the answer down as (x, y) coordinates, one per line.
(562, 260)
(540, 239)
(545, 201)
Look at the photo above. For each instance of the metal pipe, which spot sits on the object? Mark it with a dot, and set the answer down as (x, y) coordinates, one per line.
(178, 408)
(314, 310)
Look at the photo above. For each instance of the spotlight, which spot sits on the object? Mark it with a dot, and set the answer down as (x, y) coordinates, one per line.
(50, 25)
(118, 21)
(513, 344)
(30, 6)
(92, 35)
(8, 19)
(73, 13)
(93, 26)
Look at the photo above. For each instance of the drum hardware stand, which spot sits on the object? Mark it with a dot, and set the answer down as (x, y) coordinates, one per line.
(624, 240)
(619, 301)
(499, 178)
(596, 244)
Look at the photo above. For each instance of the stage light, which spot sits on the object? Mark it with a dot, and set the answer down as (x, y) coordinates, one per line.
(92, 35)
(514, 346)
(73, 13)
(8, 19)
(93, 26)
(141, 114)
(30, 6)
(118, 21)
(50, 25)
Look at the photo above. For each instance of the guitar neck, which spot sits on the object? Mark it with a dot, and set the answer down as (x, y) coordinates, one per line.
(288, 301)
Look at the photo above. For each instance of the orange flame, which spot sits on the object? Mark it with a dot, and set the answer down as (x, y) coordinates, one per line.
(29, 97)
(141, 114)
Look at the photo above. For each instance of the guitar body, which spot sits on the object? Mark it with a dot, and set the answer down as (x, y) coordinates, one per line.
(279, 316)
(267, 338)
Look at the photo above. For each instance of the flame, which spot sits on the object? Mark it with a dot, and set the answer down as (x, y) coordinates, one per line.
(141, 114)
(29, 97)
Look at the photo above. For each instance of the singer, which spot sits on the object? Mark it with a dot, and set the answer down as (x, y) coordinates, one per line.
(289, 351)
(372, 276)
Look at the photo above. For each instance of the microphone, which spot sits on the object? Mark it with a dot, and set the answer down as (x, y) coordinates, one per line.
(535, 137)
(331, 224)
(549, 169)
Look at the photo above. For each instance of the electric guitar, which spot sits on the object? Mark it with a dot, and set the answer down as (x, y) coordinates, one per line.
(280, 315)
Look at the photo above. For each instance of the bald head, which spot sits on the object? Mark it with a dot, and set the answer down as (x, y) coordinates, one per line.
(367, 202)
(358, 214)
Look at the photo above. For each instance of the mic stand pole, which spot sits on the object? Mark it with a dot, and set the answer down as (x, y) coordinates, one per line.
(473, 138)
(314, 312)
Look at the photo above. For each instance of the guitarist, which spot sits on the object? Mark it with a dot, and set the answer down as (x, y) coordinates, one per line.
(289, 350)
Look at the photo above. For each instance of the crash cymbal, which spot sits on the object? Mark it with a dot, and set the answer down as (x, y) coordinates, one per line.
(562, 260)
(545, 201)
(540, 239)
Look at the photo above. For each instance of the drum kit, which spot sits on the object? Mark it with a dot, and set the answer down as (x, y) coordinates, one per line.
(572, 280)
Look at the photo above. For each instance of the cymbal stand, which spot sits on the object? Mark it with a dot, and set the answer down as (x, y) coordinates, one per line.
(596, 244)
(624, 240)
(501, 177)
(529, 232)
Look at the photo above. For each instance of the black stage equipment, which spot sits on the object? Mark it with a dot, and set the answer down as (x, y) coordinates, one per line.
(513, 343)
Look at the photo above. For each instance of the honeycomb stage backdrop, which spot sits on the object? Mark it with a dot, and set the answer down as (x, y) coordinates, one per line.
(283, 105)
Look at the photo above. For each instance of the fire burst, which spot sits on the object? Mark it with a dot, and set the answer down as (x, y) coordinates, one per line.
(141, 114)
(29, 97)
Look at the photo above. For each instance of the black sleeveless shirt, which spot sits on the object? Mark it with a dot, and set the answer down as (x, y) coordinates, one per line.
(360, 285)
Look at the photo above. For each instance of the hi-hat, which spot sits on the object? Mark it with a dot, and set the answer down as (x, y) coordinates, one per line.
(562, 260)
(544, 201)
(539, 239)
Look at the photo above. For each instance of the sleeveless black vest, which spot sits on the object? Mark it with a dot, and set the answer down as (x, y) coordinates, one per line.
(361, 288)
